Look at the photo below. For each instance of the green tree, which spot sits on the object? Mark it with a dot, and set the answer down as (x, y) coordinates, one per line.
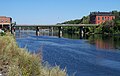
(85, 20)
(116, 13)
(106, 27)
(77, 21)
(117, 25)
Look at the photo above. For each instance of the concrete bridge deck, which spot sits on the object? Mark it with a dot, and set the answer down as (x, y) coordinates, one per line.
(57, 25)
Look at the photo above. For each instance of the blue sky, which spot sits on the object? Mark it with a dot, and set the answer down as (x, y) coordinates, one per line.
(53, 11)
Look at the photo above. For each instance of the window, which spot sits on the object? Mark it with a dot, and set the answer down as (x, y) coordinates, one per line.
(98, 18)
(2, 20)
(108, 18)
(103, 18)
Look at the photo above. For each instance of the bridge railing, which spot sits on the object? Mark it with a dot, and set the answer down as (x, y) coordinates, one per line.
(57, 25)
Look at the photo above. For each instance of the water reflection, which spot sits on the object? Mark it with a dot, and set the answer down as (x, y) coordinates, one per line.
(75, 36)
(100, 41)
(105, 41)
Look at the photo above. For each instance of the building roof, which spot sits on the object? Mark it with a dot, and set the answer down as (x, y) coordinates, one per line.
(102, 13)
(4, 17)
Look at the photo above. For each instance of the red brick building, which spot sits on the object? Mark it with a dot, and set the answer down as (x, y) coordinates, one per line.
(100, 17)
(5, 22)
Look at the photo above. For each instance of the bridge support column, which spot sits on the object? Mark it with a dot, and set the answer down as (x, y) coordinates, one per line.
(60, 32)
(13, 30)
(10, 28)
(52, 31)
(37, 31)
(19, 29)
(81, 32)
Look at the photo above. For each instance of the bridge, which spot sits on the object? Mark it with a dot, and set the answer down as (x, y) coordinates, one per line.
(59, 26)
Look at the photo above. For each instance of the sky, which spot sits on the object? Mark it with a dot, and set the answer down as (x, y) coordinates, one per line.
(53, 11)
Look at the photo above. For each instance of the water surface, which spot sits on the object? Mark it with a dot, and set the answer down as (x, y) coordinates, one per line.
(84, 56)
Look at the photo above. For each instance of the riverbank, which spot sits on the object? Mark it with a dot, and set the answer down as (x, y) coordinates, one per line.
(15, 61)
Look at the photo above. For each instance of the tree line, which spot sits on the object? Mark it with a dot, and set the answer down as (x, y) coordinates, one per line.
(112, 26)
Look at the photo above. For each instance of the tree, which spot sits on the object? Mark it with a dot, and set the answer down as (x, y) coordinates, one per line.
(85, 20)
(106, 27)
(117, 24)
(77, 21)
(116, 13)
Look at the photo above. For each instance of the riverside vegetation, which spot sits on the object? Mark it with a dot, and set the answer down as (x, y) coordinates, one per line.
(15, 61)
(109, 27)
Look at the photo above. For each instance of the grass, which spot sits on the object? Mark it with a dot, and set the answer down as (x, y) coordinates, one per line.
(15, 61)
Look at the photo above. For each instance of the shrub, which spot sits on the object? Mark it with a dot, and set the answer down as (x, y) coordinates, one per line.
(2, 33)
(15, 61)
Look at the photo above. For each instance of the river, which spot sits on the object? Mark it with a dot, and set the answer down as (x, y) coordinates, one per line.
(89, 55)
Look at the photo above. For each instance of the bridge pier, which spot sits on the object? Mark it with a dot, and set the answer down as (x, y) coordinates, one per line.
(81, 32)
(12, 29)
(37, 31)
(60, 32)
(52, 31)
(19, 29)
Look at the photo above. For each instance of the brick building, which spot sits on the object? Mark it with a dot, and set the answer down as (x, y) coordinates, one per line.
(5, 22)
(100, 17)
